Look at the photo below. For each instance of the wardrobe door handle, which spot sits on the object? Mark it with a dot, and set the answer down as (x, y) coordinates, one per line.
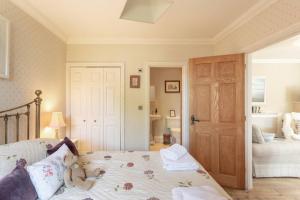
(95, 121)
(84, 120)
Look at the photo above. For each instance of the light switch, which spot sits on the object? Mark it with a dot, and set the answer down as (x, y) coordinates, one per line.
(140, 107)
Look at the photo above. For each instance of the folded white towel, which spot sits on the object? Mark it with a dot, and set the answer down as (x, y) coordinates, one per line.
(186, 162)
(295, 137)
(174, 152)
(196, 193)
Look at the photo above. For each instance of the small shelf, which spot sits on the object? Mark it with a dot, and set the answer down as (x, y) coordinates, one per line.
(266, 115)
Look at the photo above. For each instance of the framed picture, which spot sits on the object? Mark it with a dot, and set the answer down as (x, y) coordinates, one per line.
(135, 81)
(259, 90)
(172, 113)
(172, 86)
(4, 47)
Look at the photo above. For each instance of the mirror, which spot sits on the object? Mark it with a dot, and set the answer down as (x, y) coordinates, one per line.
(258, 90)
(4, 47)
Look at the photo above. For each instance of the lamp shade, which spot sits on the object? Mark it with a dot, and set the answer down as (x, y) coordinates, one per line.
(57, 120)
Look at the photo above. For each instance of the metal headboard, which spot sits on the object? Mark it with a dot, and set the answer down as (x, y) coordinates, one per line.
(8, 114)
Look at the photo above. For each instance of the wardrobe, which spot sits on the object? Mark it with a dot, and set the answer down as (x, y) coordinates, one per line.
(95, 107)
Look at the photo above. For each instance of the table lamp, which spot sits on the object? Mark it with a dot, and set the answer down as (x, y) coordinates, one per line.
(57, 122)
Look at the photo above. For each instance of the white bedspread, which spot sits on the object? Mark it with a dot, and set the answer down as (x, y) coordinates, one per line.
(135, 176)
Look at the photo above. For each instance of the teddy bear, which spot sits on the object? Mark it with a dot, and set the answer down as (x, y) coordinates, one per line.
(76, 175)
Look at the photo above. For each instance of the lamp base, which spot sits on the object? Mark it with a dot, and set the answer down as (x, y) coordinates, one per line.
(56, 134)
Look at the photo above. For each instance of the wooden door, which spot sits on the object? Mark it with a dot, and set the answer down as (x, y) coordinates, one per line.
(217, 96)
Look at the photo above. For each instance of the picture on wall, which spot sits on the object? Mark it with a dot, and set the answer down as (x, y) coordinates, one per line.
(172, 113)
(172, 86)
(259, 90)
(135, 81)
(4, 47)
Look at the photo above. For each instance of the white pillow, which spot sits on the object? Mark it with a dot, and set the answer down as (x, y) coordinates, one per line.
(257, 136)
(287, 129)
(47, 175)
(30, 150)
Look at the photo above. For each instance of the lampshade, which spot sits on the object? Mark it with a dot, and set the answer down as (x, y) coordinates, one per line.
(57, 120)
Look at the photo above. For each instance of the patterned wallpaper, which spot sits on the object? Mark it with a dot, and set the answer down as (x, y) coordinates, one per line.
(37, 61)
(281, 15)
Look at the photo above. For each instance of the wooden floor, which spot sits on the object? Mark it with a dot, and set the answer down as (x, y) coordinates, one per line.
(158, 146)
(270, 189)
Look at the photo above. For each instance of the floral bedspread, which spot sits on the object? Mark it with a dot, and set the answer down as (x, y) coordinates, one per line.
(134, 176)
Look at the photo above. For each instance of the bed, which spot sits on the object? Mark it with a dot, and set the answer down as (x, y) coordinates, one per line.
(127, 175)
(279, 158)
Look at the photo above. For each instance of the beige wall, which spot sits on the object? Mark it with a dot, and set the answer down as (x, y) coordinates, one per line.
(134, 57)
(37, 61)
(282, 86)
(164, 102)
(283, 15)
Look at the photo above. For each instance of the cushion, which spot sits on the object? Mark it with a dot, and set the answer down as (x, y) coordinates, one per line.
(31, 150)
(66, 141)
(47, 175)
(257, 136)
(17, 185)
(287, 129)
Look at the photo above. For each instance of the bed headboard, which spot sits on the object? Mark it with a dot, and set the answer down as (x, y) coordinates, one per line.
(8, 114)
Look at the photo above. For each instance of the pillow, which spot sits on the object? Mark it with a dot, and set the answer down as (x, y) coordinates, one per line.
(257, 136)
(31, 150)
(66, 141)
(17, 185)
(287, 129)
(47, 175)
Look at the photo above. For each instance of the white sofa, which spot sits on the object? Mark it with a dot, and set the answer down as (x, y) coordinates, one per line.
(280, 158)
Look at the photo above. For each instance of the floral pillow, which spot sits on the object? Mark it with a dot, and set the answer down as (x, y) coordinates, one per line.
(47, 175)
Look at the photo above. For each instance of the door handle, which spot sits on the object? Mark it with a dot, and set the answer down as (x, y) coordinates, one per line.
(193, 119)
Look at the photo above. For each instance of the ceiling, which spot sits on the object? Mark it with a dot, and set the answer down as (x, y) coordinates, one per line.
(287, 51)
(78, 21)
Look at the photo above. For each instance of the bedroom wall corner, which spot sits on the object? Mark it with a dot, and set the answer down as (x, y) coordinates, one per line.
(37, 61)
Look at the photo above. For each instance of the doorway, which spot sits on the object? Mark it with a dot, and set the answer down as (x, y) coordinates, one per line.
(179, 119)
(165, 107)
(272, 74)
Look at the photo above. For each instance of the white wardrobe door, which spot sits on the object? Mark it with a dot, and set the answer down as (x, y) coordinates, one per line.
(94, 89)
(96, 108)
(78, 108)
(112, 108)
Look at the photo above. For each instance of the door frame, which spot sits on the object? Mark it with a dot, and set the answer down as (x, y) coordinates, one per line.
(184, 99)
(120, 65)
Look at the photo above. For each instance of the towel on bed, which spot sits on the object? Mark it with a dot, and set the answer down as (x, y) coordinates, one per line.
(196, 193)
(186, 162)
(174, 152)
